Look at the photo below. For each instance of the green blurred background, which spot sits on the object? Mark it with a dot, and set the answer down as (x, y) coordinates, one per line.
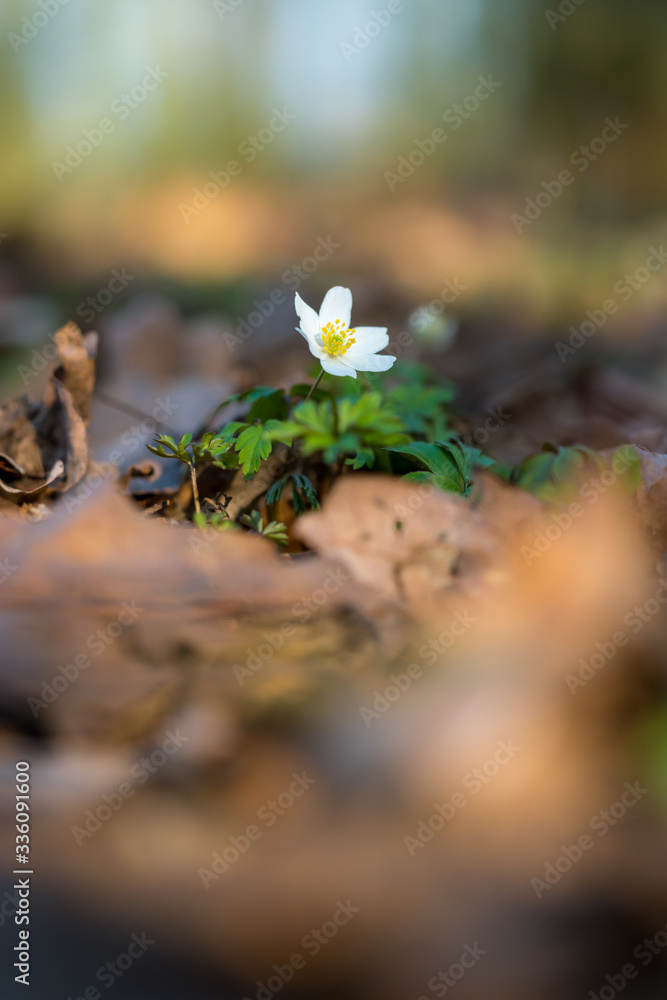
(365, 82)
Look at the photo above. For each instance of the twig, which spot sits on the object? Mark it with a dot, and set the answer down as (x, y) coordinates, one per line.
(195, 488)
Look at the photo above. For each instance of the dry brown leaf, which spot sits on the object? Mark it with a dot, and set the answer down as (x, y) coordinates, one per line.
(652, 494)
(397, 538)
(52, 435)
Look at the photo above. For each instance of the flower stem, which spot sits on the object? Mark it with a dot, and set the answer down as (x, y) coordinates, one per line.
(314, 385)
(195, 489)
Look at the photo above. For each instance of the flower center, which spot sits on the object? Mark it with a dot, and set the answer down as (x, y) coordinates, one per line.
(336, 338)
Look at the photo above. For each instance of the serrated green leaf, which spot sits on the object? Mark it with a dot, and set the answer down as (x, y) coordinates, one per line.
(274, 493)
(253, 445)
(228, 460)
(279, 430)
(419, 406)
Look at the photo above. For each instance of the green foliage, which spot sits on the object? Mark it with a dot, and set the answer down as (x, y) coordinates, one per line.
(420, 408)
(554, 473)
(304, 494)
(213, 448)
(448, 465)
(166, 447)
(346, 427)
(219, 520)
(404, 427)
(276, 531)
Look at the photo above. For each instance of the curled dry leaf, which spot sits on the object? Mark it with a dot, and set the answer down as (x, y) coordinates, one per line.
(44, 446)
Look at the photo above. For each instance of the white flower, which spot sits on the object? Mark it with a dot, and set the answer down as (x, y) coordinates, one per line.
(341, 350)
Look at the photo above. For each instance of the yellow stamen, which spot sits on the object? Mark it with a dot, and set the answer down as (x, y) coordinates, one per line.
(338, 339)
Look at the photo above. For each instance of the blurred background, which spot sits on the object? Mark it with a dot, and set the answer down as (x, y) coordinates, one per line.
(172, 172)
(360, 90)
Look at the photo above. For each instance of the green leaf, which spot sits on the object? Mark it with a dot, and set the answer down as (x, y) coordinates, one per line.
(229, 460)
(534, 472)
(254, 520)
(269, 406)
(419, 477)
(432, 456)
(308, 490)
(277, 532)
(163, 441)
(445, 483)
(420, 406)
(229, 430)
(363, 459)
(279, 430)
(274, 493)
(567, 464)
(253, 445)
(159, 450)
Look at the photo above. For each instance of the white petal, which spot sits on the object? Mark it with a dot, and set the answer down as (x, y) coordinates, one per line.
(337, 304)
(370, 362)
(334, 366)
(310, 322)
(315, 349)
(370, 339)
